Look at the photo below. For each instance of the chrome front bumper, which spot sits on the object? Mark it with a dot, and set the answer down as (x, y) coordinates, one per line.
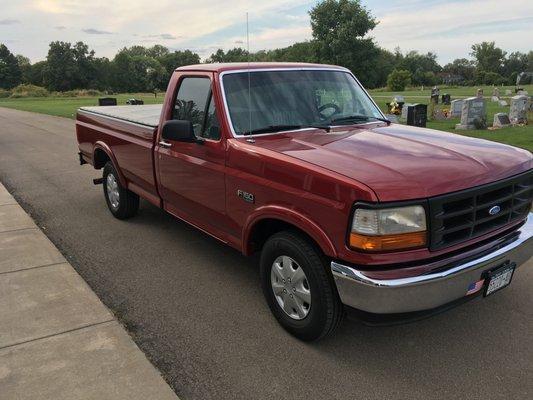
(426, 292)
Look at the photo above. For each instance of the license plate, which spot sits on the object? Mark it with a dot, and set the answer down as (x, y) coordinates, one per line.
(499, 278)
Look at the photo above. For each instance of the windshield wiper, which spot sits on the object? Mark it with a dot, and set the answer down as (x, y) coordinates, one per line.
(359, 118)
(279, 128)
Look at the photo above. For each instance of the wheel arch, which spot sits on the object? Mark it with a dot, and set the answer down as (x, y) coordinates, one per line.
(101, 155)
(270, 220)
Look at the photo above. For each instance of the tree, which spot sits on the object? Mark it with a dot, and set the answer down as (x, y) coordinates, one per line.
(135, 71)
(236, 54)
(25, 67)
(422, 67)
(398, 80)
(460, 67)
(35, 73)
(61, 70)
(489, 58)
(515, 62)
(10, 73)
(339, 29)
(171, 61)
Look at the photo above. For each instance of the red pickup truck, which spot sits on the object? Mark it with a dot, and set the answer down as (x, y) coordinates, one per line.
(348, 210)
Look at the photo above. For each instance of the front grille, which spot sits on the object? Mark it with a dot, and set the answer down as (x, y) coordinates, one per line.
(460, 216)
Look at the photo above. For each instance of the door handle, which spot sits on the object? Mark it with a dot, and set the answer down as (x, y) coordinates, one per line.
(165, 144)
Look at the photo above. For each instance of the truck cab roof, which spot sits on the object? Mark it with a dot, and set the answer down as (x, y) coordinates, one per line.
(223, 67)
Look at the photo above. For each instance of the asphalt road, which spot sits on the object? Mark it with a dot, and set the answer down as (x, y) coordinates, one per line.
(194, 306)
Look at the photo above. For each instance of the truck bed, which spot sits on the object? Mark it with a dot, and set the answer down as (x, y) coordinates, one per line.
(147, 115)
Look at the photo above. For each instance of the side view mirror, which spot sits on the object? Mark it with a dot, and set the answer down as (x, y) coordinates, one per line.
(179, 131)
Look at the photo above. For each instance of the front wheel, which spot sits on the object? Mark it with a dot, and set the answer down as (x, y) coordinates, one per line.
(121, 202)
(297, 287)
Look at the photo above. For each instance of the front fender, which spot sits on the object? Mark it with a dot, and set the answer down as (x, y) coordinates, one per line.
(291, 217)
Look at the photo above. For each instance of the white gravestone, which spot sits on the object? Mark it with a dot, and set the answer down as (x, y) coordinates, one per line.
(473, 110)
(503, 103)
(455, 108)
(518, 113)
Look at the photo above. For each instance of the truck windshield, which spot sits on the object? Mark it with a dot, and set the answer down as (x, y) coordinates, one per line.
(273, 101)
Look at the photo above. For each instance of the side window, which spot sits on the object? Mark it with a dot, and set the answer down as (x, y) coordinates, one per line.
(191, 102)
(212, 127)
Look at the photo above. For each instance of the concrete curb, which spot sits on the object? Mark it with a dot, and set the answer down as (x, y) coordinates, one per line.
(57, 340)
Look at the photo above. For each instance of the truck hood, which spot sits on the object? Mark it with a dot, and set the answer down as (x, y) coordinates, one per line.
(402, 162)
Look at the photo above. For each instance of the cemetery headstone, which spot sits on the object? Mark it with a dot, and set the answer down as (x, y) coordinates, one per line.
(403, 116)
(494, 99)
(503, 103)
(455, 108)
(496, 92)
(501, 120)
(473, 114)
(435, 95)
(446, 99)
(479, 93)
(417, 115)
(518, 112)
(107, 101)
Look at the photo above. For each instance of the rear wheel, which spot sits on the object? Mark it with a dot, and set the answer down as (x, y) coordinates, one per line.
(297, 287)
(121, 202)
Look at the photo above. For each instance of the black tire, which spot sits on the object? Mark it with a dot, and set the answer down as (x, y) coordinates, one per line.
(128, 202)
(326, 310)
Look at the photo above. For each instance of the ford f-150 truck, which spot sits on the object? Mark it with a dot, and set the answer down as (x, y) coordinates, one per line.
(348, 210)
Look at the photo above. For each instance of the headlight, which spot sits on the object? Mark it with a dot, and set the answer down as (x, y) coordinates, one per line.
(388, 228)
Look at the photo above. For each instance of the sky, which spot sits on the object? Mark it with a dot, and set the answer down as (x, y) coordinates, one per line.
(445, 27)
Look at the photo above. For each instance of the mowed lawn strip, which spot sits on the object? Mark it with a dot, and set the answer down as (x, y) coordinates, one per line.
(520, 136)
(67, 106)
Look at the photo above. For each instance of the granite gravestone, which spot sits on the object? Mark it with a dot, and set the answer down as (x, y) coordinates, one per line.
(455, 108)
(518, 112)
(446, 99)
(501, 120)
(403, 116)
(417, 115)
(473, 114)
(107, 101)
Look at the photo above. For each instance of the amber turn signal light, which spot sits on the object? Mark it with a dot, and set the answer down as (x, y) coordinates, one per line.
(388, 242)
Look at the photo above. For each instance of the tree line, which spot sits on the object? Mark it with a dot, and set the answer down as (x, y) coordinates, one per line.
(340, 31)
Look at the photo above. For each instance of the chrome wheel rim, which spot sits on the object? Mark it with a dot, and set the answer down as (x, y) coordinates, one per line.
(291, 287)
(112, 191)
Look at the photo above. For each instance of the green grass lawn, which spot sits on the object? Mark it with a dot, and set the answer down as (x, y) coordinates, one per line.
(521, 136)
(67, 106)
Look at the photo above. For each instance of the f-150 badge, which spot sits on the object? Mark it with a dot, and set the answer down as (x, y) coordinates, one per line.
(248, 197)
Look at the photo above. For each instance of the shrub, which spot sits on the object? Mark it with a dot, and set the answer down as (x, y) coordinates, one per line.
(398, 80)
(4, 93)
(27, 90)
(480, 123)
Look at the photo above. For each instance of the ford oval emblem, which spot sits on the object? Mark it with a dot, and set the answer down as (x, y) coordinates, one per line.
(494, 210)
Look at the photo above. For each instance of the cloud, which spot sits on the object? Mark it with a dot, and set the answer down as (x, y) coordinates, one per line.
(60, 28)
(163, 36)
(450, 28)
(9, 21)
(92, 31)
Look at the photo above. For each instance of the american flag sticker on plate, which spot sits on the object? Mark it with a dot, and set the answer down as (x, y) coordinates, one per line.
(475, 287)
